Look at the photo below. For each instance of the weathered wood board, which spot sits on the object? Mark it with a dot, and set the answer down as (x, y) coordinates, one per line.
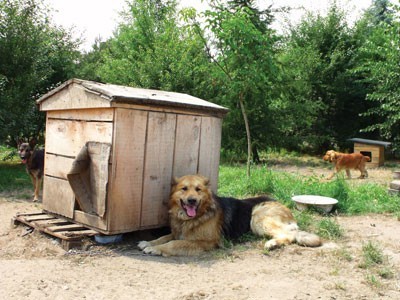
(67, 137)
(187, 141)
(69, 233)
(58, 196)
(210, 143)
(157, 176)
(127, 169)
(72, 97)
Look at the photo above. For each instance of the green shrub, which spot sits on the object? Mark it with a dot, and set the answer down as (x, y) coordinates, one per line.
(305, 219)
(329, 229)
(372, 255)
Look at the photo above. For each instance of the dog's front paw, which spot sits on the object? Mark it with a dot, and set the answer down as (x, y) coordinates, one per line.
(152, 251)
(271, 244)
(143, 244)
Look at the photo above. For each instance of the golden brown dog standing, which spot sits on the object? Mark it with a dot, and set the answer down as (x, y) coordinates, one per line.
(344, 161)
(199, 220)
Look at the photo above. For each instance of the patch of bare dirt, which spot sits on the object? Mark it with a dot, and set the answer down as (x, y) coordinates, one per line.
(381, 175)
(34, 266)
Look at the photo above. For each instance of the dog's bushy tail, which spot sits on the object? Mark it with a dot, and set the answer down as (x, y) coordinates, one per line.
(307, 239)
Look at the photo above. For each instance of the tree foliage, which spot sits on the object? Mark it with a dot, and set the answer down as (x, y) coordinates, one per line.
(34, 56)
(312, 88)
(152, 49)
(241, 46)
(379, 68)
(316, 59)
(303, 91)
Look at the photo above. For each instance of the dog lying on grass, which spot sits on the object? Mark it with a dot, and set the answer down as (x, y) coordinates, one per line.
(34, 162)
(344, 161)
(199, 220)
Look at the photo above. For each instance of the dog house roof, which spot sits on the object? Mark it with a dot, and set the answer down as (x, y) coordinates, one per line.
(370, 142)
(77, 93)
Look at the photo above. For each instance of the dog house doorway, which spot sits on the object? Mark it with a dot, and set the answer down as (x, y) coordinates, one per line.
(367, 153)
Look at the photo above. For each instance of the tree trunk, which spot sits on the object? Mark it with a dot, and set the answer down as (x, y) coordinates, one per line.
(246, 124)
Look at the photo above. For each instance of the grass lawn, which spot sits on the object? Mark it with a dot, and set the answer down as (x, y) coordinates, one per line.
(13, 176)
(353, 199)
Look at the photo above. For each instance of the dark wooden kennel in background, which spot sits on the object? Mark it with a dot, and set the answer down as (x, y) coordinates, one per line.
(152, 136)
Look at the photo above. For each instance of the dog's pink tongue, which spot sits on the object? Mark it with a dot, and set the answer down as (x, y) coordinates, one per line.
(191, 211)
(24, 161)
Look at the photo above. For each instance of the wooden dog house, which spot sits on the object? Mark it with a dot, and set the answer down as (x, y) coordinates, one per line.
(374, 149)
(133, 141)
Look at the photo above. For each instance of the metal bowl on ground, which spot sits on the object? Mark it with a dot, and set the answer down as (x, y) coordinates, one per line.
(108, 239)
(324, 203)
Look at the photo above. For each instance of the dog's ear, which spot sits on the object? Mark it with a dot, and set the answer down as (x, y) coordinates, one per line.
(19, 142)
(32, 143)
(206, 181)
(174, 180)
(334, 155)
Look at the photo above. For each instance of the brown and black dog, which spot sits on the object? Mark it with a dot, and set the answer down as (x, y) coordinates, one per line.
(344, 161)
(199, 221)
(34, 162)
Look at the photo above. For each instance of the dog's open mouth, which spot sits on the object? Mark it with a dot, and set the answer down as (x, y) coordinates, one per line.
(24, 160)
(190, 209)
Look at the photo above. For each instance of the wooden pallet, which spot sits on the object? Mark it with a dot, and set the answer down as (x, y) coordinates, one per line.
(70, 234)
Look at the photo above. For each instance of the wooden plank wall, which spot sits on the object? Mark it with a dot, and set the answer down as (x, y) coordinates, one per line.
(187, 141)
(209, 153)
(66, 133)
(377, 153)
(158, 168)
(124, 205)
(149, 149)
(72, 97)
